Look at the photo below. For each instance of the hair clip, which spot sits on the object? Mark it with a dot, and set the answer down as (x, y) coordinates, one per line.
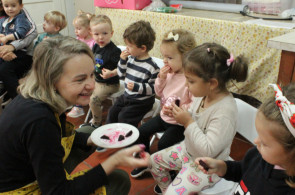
(208, 50)
(230, 60)
(175, 37)
(286, 108)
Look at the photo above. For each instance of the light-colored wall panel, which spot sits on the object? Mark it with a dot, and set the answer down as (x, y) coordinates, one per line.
(85, 5)
(37, 9)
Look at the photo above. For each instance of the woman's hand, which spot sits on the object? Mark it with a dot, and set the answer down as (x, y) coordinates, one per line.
(125, 158)
(5, 49)
(181, 116)
(164, 71)
(9, 56)
(124, 55)
(214, 166)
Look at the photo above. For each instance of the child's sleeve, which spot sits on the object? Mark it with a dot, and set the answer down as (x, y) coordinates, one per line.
(147, 88)
(236, 169)
(216, 137)
(114, 59)
(22, 27)
(122, 67)
(160, 85)
(39, 39)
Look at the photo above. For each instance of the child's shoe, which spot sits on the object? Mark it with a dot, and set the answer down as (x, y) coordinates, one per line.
(138, 172)
(76, 112)
(157, 189)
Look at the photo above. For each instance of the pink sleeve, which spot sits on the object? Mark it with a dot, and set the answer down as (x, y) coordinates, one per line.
(159, 86)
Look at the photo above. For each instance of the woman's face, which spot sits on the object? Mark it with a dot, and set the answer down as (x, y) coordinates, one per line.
(77, 80)
(268, 146)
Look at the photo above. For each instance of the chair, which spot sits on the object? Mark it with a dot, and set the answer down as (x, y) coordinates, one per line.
(153, 112)
(246, 127)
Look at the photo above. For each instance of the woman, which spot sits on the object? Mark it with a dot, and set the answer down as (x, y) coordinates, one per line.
(32, 149)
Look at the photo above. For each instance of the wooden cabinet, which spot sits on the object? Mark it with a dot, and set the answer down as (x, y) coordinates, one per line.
(286, 43)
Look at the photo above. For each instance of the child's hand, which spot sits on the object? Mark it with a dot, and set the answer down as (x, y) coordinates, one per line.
(181, 116)
(3, 40)
(130, 86)
(124, 55)
(167, 110)
(2, 35)
(164, 71)
(214, 166)
(106, 73)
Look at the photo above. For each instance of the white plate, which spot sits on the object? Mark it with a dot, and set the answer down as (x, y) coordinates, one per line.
(113, 131)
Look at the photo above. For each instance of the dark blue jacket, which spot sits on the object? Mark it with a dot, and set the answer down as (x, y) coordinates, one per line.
(19, 26)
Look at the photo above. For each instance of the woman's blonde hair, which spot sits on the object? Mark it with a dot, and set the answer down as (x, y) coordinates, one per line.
(183, 39)
(56, 18)
(272, 113)
(47, 68)
(83, 18)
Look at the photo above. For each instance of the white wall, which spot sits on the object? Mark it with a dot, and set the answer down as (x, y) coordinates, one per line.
(85, 5)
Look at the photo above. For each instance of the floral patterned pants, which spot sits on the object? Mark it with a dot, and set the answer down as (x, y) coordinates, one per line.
(189, 180)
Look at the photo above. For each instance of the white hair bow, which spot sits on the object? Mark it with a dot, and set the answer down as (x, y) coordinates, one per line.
(286, 107)
(175, 37)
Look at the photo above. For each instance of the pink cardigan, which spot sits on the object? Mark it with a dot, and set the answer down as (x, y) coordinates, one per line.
(173, 85)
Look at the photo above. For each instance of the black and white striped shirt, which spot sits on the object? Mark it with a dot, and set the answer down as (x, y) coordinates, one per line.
(142, 73)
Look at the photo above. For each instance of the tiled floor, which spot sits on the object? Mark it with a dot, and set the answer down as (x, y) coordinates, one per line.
(145, 184)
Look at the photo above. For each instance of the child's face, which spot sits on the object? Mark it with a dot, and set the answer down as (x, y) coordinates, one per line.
(196, 85)
(269, 148)
(81, 31)
(171, 57)
(49, 27)
(134, 50)
(101, 34)
(12, 7)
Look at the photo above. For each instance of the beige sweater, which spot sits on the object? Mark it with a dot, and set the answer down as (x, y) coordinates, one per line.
(213, 131)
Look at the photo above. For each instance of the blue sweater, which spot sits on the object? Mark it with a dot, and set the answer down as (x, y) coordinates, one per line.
(19, 26)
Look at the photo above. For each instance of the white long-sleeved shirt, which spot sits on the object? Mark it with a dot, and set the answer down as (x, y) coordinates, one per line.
(214, 128)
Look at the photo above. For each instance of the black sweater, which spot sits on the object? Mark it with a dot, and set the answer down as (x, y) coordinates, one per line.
(256, 176)
(110, 56)
(30, 149)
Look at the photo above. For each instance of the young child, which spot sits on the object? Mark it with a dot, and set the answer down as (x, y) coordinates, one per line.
(169, 86)
(107, 56)
(139, 72)
(82, 30)
(209, 124)
(54, 22)
(269, 167)
(15, 25)
(16, 56)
